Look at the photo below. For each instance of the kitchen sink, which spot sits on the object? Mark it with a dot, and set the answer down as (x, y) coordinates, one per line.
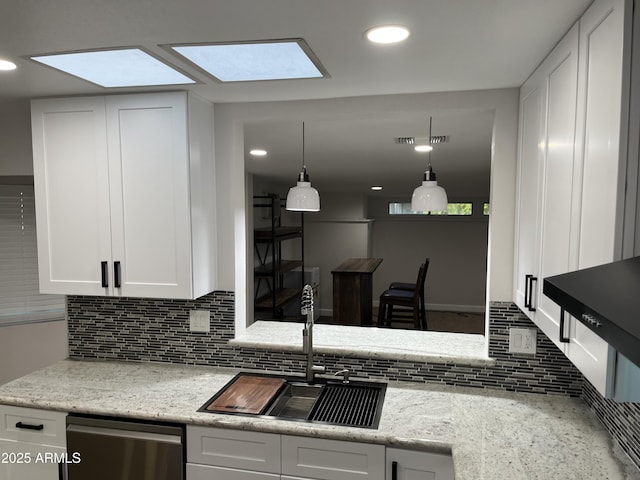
(327, 401)
(295, 401)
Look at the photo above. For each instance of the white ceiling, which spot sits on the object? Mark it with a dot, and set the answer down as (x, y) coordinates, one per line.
(454, 45)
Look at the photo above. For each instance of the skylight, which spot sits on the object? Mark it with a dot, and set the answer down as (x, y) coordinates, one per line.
(129, 67)
(264, 60)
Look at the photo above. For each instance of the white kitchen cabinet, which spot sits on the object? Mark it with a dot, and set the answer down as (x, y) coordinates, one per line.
(207, 472)
(597, 176)
(545, 179)
(322, 459)
(125, 195)
(415, 465)
(32, 444)
(244, 455)
(530, 160)
(560, 77)
(569, 187)
(233, 454)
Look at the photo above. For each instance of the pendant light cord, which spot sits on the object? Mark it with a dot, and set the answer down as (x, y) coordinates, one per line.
(430, 123)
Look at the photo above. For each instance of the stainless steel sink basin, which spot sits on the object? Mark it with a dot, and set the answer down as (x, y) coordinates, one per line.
(354, 404)
(295, 401)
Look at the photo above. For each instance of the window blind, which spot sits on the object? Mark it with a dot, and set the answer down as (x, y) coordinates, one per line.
(20, 299)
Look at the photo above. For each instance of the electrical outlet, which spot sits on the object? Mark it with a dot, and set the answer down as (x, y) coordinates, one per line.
(522, 340)
(199, 321)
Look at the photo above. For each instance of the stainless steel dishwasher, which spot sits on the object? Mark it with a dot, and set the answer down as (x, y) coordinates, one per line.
(124, 450)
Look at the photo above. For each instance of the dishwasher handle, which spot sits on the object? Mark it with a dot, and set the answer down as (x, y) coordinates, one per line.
(133, 434)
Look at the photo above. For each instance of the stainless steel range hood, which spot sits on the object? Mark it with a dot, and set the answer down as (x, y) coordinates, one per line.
(606, 299)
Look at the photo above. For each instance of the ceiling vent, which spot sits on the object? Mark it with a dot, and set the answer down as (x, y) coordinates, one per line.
(416, 140)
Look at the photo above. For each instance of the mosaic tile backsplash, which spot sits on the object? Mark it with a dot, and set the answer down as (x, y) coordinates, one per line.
(158, 330)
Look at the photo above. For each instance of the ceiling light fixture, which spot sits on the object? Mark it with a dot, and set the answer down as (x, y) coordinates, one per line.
(429, 197)
(123, 67)
(376, 188)
(7, 65)
(387, 34)
(253, 61)
(258, 152)
(423, 148)
(303, 197)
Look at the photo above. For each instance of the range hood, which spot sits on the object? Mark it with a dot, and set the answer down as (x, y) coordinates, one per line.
(606, 299)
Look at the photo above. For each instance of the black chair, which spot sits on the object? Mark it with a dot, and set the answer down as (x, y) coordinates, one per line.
(411, 287)
(408, 300)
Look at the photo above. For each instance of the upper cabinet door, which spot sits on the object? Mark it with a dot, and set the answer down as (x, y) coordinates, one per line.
(597, 177)
(149, 187)
(72, 195)
(600, 99)
(560, 72)
(530, 157)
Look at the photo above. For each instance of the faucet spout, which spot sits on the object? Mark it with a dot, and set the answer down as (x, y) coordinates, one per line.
(307, 333)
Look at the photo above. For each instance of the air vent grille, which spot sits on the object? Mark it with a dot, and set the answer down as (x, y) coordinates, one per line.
(350, 405)
(413, 140)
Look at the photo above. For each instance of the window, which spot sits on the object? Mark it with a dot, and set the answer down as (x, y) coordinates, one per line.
(20, 300)
(486, 208)
(453, 209)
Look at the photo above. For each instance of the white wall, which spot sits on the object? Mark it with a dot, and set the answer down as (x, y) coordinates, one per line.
(25, 348)
(15, 138)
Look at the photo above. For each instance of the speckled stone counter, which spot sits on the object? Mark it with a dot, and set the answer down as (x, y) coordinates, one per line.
(398, 344)
(491, 434)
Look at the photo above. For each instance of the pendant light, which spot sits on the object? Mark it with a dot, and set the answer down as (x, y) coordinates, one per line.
(303, 197)
(429, 197)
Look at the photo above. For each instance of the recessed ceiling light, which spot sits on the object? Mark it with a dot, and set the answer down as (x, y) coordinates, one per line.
(423, 148)
(252, 61)
(387, 34)
(376, 187)
(126, 67)
(6, 65)
(258, 152)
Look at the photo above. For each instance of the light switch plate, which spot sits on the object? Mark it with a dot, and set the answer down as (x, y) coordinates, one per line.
(522, 340)
(199, 321)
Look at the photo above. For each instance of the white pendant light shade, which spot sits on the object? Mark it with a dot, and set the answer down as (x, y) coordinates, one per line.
(303, 197)
(429, 197)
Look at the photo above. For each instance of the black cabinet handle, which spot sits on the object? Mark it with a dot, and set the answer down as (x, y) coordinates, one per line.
(116, 274)
(104, 267)
(28, 426)
(563, 339)
(531, 280)
(526, 291)
(394, 470)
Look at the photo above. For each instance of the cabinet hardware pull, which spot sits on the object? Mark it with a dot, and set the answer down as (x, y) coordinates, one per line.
(526, 291)
(531, 280)
(394, 470)
(29, 426)
(563, 339)
(104, 267)
(116, 274)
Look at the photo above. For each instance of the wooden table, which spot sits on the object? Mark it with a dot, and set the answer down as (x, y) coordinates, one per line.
(352, 291)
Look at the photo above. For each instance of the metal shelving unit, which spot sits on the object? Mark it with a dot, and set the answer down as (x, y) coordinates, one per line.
(272, 268)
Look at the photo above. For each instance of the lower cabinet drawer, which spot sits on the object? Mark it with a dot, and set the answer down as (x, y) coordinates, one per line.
(235, 449)
(418, 464)
(206, 472)
(30, 425)
(331, 459)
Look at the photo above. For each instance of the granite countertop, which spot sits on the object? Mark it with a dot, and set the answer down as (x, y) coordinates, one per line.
(412, 345)
(491, 434)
